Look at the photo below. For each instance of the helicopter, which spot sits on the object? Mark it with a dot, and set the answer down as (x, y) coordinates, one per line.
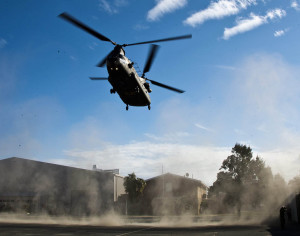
(133, 89)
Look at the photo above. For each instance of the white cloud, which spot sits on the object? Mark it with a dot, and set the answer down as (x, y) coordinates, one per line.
(280, 33)
(93, 45)
(169, 137)
(254, 21)
(224, 67)
(73, 58)
(120, 3)
(107, 7)
(218, 10)
(244, 25)
(286, 162)
(164, 6)
(203, 127)
(140, 27)
(3, 43)
(112, 7)
(276, 13)
(147, 158)
(295, 5)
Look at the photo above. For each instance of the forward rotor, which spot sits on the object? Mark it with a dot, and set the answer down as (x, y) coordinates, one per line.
(84, 27)
(66, 16)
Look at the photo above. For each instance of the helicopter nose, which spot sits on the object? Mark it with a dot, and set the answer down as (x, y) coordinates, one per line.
(113, 64)
(112, 61)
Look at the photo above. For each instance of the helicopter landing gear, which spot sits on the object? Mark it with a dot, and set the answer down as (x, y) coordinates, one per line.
(112, 91)
(149, 107)
(127, 107)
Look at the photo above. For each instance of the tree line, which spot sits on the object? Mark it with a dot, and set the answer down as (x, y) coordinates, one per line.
(244, 182)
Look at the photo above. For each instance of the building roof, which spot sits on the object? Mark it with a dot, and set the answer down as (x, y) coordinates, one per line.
(28, 162)
(19, 159)
(194, 181)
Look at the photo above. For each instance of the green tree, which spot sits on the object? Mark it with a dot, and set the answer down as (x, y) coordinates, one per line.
(241, 178)
(134, 186)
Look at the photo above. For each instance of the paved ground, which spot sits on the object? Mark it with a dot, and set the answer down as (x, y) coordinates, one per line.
(63, 230)
(134, 226)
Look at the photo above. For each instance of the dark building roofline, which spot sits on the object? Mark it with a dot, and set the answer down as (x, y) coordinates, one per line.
(40, 162)
(51, 164)
(178, 176)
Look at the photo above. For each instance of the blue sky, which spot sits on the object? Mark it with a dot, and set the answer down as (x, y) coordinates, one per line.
(240, 72)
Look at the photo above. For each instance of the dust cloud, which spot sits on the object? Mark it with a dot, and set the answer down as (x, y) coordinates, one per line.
(75, 201)
(109, 219)
(115, 220)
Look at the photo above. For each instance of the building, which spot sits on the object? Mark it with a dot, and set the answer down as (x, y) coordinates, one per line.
(34, 186)
(293, 207)
(170, 194)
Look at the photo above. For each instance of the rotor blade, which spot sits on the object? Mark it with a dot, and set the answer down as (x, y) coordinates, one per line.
(161, 40)
(98, 78)
(166, 86)
(151, 56)
(103, 62)
(84, 27)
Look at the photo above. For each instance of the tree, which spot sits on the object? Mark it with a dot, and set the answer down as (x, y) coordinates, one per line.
(294, 184)
(134, 186)
(242, 178)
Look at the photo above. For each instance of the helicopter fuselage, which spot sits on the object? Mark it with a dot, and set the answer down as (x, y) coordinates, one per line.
(125, 80)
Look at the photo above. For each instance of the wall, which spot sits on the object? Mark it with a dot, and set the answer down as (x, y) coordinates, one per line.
(56, 189)
(173, 195)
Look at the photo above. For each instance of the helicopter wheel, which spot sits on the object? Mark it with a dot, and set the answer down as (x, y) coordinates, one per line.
(127, 107)
(149, 107)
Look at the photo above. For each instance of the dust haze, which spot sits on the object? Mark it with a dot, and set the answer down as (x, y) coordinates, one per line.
(55, 210)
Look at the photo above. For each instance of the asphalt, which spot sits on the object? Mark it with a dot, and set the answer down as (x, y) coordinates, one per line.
(46, 229)
(134, 226)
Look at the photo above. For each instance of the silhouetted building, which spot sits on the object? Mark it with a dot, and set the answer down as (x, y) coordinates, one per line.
(34, 186)
(293, 208)
(170, 194)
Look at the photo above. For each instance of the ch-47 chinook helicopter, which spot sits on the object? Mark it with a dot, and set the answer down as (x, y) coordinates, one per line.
(133, 89)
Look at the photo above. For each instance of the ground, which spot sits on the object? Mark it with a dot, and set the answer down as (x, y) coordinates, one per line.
(157, 226)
